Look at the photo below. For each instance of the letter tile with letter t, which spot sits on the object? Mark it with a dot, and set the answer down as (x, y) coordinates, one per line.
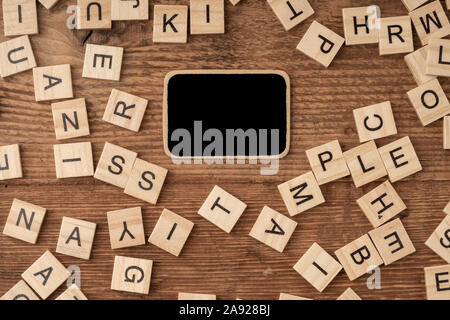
(16, 55)
(10, 163)
(349, 294)
(72, 293)
(360, 25)
(70, 119)
(52, 82)
(437, 282)
(195, 296)
(131, 275)
(76, 238)
(102, 62)
(126, 228)
(291, 12)
(73, 160)
(438, 59)
(19, 17)
(170, 23)
(396, 35)
(430, 21)
(94, 14)
(439, 241)
(129, 10)
(20, 291)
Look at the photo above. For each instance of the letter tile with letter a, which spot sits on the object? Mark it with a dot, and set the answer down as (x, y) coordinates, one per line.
(53, 82)
(19, 17)
(417, 63)
(195, 296)
(131, 275)
(73, 160)
(126, 228)
(375, 121)
(437, 282)
(76, 238)
(72, 293)
(129, 10)
(45, 275)
(430, 21)
(170, 23)
(396, 35)
(70, 119)
(102, 62)
(16, 55)
(207, 16)
(439, 241)
(10, 163)
(291, 12)
(360, 25)
(222, 209)
(20, 291)
(273, 229)
(94, 14)
(48, 4)
(438, 59)
(349, 294)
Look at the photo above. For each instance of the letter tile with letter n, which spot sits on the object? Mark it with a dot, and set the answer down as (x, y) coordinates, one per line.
(365, 163)
(24, 221)
(129, 10)
(273, 229)
(320, 43)
(417, 63)
(171, 232)
(429, 101)
(327, 162)
(381, 204)
(131, 275)
(125, 110)
(70, 119)
(430, 21)
(438, 59)
(396, 35)
(349, 294)
(94, 14)
(45, 275)
(301, 193)
(10, 163)
(16, 55)
(52, 82)
(447, 132)
(102, 62)
(287, 296)
(73, 160)
(20, 291)
(222, 209)
(318, 267)
(413, 4)
(19, 17)
(76, 238)
(170, 23)
(115, 165)
(439, 241)
(437, 282)
(291, 12)
(207, 16)
(195, 296)
(126, 228)
(48, 4)
(72, 293)
(360, 25)
(358, 257)
(400, 159)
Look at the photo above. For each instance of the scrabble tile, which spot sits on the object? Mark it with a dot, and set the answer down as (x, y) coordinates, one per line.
(131, 275)
(320, 43)
(291, 12)
(10, 164)
(171, 232)
(234, 2)
(16, 55)
(129, 10)
(170, 23)
(45, 275)
(437, 281)
(447, 132)
(24, 221)
(195, 296)
(429, 101)
(70, 119)
(48, 4)
(73, 160)
(375, 121)
(125, 110)
(146, 181)
(102, 62)
(115, 165)
(447, 209)
(381, 204)
(318, 267)
(19, 17)
(357, 26)
(447, 3)
(416, 62)
(413, 4)
(301, 193)
(438, 58)
(72, 293)
(327, 162)
(430, 21)
(94, 14)
(273, 229)
(439, 241)
(20, 291)
(400, 159)
(126, 228)
(392, 241)
(53, 82)
(395, 35)
(349, 294)
(207, 16)
(222, 209)
(365, 163)
(358, 257)
(286, 296)
(76, 238)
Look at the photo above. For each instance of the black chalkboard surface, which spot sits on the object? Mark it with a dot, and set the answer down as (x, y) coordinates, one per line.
(232, 113)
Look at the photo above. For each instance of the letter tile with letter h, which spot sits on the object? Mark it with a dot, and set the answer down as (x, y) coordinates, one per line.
(102, 62)
(131, 275)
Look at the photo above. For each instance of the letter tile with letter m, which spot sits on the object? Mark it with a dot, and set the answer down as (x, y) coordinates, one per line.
(102, 62)
(131, 275)
(16, 55)
(170, 23)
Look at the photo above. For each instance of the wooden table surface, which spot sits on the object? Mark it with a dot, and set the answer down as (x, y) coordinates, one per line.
(229, 265)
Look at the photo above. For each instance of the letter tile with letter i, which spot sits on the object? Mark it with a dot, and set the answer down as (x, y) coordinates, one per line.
(102, 62)
(73, 160)
(19, 17)
(131, 275)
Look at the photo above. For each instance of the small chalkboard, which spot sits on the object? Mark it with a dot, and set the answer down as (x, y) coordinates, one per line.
(226, 113)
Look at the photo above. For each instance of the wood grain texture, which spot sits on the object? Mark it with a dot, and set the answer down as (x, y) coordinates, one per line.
(229, 265)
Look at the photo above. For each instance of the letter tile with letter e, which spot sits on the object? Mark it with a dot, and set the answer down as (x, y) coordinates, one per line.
(439, 241)
(318, 267)
(70, 119)
(131, 275)
(359, 25)
(72, 293)
(52, 82)
(20, 291)
(430, 21)
(396, 35)
(287, 296)
(273, 229)
(207, 16)
(126, 228)
(447, 132)
(349, 294)
(437, 282)
(76, 238)
(170, 23)
(375, 121)
(45, 275)
(291, 12)
(413, 4)
(10, 163)
(94, 14)
(129, 10)
(195, 296)
(222, 209)
(102, 62)
(73, 160)
(19, 17)
(417, 62)
(320, 43)
(48, 4)
(438, 59)
(16, 55)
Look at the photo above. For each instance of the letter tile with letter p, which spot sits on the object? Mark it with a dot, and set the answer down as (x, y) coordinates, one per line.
(131, 275)
(102, 62)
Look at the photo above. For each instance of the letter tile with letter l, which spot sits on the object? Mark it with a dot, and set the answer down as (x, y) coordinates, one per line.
(417, 63)
(45, 275)
(170, 23)
(52, 82)
(349, 294)
(396, 35)
(16, 55)
(439, 241)
(438, 59)
(358, 257)
(430, 21)
(102, 62)
(126, 228)
(129, 10)
(70, 119)
(437, 282)
(131, 275)
(72, 293)
(320, 43)
(360, 25)
(19, 17)
(73, 160)
(10, 163)
(273, 229)
(94, 14)
(291, 12)
(207, 16)
(76, 238)
(20, 291)
(195, 296)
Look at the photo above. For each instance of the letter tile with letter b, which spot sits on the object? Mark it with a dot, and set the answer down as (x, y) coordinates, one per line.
(396, 35)
(438, 59)
(359, 25)
(10, 163)
(129, 10)
(430, 21)
(437, 282)
(70, 119)
(102, 62)
(170, 23)
(126, 228)
(20, 291)
(72, 293)
(349, 294)
(19, 17)
(291, 12)
(375, 121)
(131, 275)
(52, 82)
(76, 238)
(73, 160)
(16, 55)
(195, 296)
(207, 16)
(439, 241)
(417, 62)
(94, 14)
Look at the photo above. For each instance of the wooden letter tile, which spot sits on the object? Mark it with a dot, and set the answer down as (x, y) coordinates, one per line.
(273, 229)
(318, 267)
(76, 238)
(54, 82)
(126, 228)
(437, 282)
(447, 132)
(234, 2)
(195, 296)
(222, 209)
(207, 16)
(447, 209)
(131, 275)
(20, 291)
(16, 55)
(439, 241)
(10, 164)
(396, 35)
(45, 275)
(430, 21)
(94, 14)
(24, 221)
(349, 294)
(327, 162)
(48, 4)
(438, 59)
(102, 62)
(170, 23)
(287, 296)
(357, 22)
(70, 119)
(320, 43)
(19, 17)
(171, 232)
(73, 160)
(291, 12)
(129, 10)
(417, 62)
(413, 4)
(72, 293)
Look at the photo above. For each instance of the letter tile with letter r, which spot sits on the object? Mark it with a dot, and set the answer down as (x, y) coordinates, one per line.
(102, 62)
(126, 228)
(76, 238)
(437, 282)
(19, 17)
(16, 55)
(20, 291)
(72, 293)
(10, 163)
(52, 82)
(430, 21)
(94, 14)
(439, 241)
(395, 35)
(170, 23)
(131, 275)
(70, 119)
(291, 12)
(438, 59)
(360, 25)
(73, 160)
